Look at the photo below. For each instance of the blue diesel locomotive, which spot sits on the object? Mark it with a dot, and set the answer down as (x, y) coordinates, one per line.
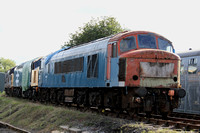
(136, 71)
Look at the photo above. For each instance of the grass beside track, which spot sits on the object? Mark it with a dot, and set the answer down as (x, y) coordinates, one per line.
(36, 117)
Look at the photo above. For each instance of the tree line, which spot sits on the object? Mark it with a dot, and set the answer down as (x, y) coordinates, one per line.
(92, 30)
(6, 64)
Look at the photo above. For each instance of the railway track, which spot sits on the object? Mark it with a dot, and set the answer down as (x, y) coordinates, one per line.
(185, 115)
(174, 121)
(182, 121)
(12, 128)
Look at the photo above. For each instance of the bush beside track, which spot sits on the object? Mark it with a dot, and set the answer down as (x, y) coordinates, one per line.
(36, 117)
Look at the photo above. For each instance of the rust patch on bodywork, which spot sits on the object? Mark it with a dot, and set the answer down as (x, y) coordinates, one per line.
(152, 68)
(156, 69)
(150, 54)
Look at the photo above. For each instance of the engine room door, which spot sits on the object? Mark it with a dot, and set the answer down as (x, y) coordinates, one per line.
(34, 77)
(112, 64)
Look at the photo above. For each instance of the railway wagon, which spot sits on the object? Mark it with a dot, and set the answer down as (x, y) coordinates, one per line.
(190, 80)
(136, 71)
(2, 81)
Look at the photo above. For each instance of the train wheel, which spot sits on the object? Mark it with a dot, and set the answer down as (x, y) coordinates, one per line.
(19, 92)
(132, 113)
(53, 96)
(95, 99)
(164, 115)
(35, 95)
(30, 94)
(44, 95)
(60, 97)
(81, 97)
(39, 95)
(11, 92)
(46, 98)
(148, 114)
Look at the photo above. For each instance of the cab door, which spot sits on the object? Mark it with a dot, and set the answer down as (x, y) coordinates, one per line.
(34, 77)
(112, 65)
(35, 66)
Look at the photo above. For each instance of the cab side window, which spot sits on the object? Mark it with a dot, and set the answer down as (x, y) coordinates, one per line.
(49, 67)
(192, 66)
(92, 66)
(114, 50)
(165, 45)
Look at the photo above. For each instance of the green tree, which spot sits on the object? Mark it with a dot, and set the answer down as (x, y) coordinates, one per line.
(94, 29)
(6, 64)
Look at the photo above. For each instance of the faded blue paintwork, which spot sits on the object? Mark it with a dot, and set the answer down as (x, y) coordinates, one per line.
(78, 79)
(18, 76)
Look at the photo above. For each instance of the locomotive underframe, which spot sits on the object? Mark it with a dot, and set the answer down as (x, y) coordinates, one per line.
(132, 100)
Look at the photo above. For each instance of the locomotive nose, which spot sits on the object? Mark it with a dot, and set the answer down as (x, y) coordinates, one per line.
(152, 68)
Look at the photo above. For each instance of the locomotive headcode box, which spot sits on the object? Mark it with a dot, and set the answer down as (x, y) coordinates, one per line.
(2, 81)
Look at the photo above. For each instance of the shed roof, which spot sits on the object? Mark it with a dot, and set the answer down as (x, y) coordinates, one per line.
(189, 53)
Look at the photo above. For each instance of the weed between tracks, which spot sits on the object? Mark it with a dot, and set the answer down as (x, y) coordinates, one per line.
(36, 117)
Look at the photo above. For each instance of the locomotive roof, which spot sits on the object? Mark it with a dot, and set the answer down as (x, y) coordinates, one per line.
(119, 35)
(89, 45)
(126, 33)
(189, 53)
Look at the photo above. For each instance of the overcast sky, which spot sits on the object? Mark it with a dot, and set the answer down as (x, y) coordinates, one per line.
(33, 28)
